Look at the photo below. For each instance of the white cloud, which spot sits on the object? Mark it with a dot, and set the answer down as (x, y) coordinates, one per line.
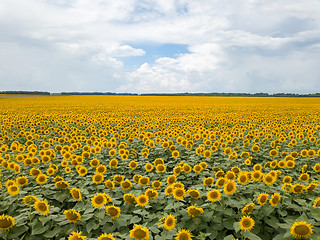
(250, 40)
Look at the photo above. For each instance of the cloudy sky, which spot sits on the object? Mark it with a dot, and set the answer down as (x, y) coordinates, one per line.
(160, 45)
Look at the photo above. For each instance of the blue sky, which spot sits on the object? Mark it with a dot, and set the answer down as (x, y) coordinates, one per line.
(160, 45)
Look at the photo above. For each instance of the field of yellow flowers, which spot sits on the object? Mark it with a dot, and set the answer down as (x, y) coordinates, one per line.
(138, 167)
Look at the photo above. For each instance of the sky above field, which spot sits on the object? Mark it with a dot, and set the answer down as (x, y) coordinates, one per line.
(167, 46)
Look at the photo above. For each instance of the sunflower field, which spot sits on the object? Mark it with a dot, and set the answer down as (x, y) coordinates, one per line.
(139, 167)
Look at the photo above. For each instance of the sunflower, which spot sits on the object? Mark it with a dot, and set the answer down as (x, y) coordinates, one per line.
(273, 153)
(213, 195)
(169, 222)
(30, 200)
(72, 215)
(297, 188)
(197, 168)
(316, 167)
(263, 198)
(113, 211)
(175, 153)
(177, 170)
(105, 236)
(171, 179)
(13, 189)
(42, 207)
(139, 233)
(142, 200)
(99, 200)
(178, 193)
(184, 234)
(311, 186)
(82, 171)
(301, 230)
(246, 223)
(158, 161)
(243, 178)
(118, 178)
(208, 181)
(136, 178)
(148, 167)
(316, 202)
(129, 198)
(98, 178)
(230, 187)
(219, 173)
(248, 209)
(144, 181)
(168, 190)
(22, 181)
(133, 164)
(152, 194)
(76, 194)
(6, 222)
(156, 184)
(194, 211)
(160, 168)
(109, 184)
(186, 168)
(275, 198)
(269, 179)
(304, 177)
(62, 184)
(76, 236)
(287, 179)
(290, 164)
(194, 193)
(94, 162)
(126, 184)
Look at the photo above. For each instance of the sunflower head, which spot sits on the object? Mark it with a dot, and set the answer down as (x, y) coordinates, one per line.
(316, 202)
(246, 223)
(184, 234)
(42, 207)
(129, 198)
(72, 215)
(142, 200)
(213, 195)
(30, 200)
(139, 233)
(194, 193)
(105, 236)
(275, 198)
(194, 211)
(76, 194)
(99, 200)
(113, 211)
(13, 189)
(62, 184)
(230, 187)
(301, 230)
(263, 198)
(76, 236)
(169, 222)
(6, 222)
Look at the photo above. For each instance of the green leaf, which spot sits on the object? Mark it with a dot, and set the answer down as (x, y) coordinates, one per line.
(154, 230)
(52, 233)
(251, 236)
(315, 213)
(90, 225)
(38, 228)
(100, 214)
(236, 226)
(229, 237)
(135, 219)
(17, 231)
